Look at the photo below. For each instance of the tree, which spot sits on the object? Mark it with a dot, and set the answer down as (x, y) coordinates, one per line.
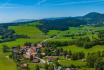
(99, 65)
(27, 44)
(99, 54)
(74, 56)
(81, 55)
(6, 49)
(91, 59)
(46, 67)
(37, 67)
(56, 63)
(78, 55)
(70, 53)
(65, 53)
(102, 54)
(51, 67)
(57, 52)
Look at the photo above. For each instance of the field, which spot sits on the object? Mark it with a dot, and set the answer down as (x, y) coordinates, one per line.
(30, 31)
(5, 62)
(74, 49)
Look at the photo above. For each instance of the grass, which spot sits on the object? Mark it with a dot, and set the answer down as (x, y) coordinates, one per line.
(30, 31)
(32, 66)
(20, 42)
(53, 32)
(72, 62)
(74, 49)
(87, 30)
(5, 62)
(86, 69)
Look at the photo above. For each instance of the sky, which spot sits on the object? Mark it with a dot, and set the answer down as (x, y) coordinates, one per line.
(11, 10)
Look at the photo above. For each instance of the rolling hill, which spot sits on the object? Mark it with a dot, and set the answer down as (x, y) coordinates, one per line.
(64, 23)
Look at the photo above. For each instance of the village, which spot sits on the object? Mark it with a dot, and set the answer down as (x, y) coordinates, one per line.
(36, 54)
(30, 53)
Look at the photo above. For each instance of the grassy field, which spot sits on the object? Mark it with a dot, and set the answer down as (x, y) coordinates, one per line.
(74, 49)
(5, 62)
(20, 42)
(79, 63)
(76, 30)
(72, 62)
(28, 30)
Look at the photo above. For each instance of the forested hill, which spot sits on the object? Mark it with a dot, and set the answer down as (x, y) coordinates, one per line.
(64, 23)
(60, 24)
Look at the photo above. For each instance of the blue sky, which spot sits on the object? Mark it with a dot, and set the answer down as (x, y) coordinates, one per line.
(35, 9)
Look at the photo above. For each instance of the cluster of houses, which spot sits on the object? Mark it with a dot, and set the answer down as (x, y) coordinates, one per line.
(28, 52)
(31, 52)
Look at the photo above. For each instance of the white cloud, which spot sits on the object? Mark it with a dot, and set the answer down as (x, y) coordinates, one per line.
(8, 4)
(81, 2)
(41, 2)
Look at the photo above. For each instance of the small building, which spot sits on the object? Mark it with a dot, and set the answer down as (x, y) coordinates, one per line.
(22, 66)
(70, 68)
(35, 60)
(51, 58)
(59, 68)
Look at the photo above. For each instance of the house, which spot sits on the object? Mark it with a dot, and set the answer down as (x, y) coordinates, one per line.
(51, 58)
(30, 52)
(35, 60)
(59, 68)
(70, 68)
(22, 66)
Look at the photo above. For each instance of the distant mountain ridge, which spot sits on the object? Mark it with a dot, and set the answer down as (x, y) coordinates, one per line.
(93, 15)
(22, 20)
(89, 16)
(93, 18)
(63, 23)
